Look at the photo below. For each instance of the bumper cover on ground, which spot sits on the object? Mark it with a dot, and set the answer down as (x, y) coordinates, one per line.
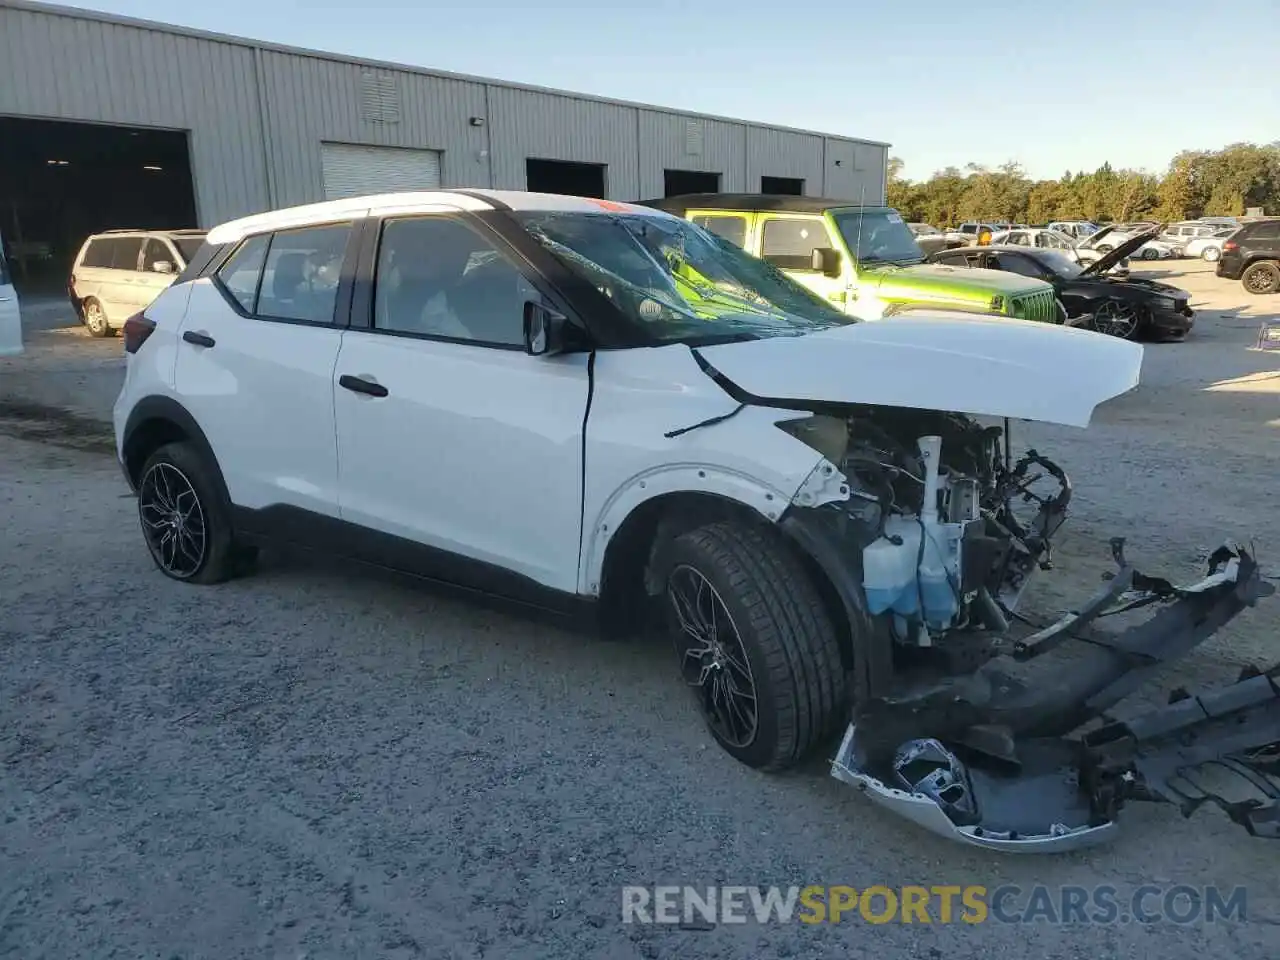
(985, 758)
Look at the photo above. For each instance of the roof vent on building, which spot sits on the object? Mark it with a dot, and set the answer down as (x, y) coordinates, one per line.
(693, 138)
(379, 98)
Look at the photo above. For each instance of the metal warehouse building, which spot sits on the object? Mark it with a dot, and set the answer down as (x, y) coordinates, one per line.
(108, 122)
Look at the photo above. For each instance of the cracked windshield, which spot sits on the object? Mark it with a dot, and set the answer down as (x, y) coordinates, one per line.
(679, 282)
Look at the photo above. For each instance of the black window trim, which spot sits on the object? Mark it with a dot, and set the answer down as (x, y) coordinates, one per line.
(341, 310)
(365, 295)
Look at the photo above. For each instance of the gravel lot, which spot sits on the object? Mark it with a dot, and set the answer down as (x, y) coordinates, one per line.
(320, 762)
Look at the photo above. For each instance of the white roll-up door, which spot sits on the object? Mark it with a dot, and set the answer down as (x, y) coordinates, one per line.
(352, 170)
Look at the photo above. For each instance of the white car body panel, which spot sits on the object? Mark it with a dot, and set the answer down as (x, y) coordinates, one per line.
(475, 450)
(264, 398)
(10, 321)
(958, 362)
(640, 396)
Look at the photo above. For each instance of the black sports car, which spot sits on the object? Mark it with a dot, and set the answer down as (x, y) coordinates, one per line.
(1129, 308)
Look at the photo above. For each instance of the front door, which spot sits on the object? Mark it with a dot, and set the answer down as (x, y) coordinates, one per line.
(788, 242)
(451, 436)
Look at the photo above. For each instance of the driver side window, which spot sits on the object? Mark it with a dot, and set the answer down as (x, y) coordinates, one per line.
(438, 278)
(789, 242)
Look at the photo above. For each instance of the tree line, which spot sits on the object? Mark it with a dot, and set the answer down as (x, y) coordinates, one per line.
(1226, 182)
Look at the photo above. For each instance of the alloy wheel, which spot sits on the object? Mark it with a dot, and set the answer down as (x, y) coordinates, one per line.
(173, 521)
(95, 319)
(713, 659)
(1116, 319)
(1258, 281)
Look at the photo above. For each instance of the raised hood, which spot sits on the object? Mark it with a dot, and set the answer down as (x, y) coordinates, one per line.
(984, 366)
(1116, 254)
(935, 281)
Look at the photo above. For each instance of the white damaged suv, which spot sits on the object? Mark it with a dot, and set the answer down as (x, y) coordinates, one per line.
(598, 408)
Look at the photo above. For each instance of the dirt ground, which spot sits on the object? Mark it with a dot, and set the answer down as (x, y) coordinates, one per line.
(318, 762)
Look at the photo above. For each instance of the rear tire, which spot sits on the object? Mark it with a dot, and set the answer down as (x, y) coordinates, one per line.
(185, 520)
(746, 618)
(1262, 277)
(95, 319)
(1211, 255)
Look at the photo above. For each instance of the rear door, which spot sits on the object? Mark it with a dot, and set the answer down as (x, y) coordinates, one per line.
(118, 290)
(10, 318)
(255, 366)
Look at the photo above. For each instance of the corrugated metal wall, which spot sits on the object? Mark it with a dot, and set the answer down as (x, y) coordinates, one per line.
(67, 67)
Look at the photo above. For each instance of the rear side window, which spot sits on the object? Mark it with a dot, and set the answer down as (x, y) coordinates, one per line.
(1266, 231)
(300, 281)
(118, 253)
(240, 274)
(188, 247)
(789, 244)
(733, 229)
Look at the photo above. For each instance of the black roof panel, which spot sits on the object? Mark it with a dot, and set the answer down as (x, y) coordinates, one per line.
(747, 201)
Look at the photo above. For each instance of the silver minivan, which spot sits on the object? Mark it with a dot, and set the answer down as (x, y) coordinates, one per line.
(118, 273)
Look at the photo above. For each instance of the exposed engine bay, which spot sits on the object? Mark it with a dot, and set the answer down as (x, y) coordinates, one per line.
(948, 529)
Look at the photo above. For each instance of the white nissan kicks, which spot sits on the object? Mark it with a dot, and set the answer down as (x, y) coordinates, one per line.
(595, 407)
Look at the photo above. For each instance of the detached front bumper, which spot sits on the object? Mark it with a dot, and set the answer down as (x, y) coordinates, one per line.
(986, 759)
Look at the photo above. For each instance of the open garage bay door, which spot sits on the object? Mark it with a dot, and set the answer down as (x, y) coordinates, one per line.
(352, 170)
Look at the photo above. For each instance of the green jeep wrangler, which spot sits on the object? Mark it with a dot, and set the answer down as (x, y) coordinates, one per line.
(864, 259)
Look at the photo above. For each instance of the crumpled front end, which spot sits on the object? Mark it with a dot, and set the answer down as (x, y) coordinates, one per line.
(953, 725)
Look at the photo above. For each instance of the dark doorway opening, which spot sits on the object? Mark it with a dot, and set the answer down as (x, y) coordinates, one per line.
(60, 182)
(788, 186)
(564, 176)
(676, 183)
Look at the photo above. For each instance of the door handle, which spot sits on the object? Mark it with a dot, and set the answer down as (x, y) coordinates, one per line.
(362, 385)
(199, 339)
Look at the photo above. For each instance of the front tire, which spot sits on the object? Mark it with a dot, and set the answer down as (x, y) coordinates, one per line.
(755, 643)
(1116, 318)
(1262, 277)
(1150, 254)
(185, 522)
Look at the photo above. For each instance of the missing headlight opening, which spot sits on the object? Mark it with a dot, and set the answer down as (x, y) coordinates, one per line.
(942, 531)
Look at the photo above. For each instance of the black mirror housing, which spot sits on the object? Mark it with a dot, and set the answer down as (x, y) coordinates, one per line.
(546, 331)
(825, 260)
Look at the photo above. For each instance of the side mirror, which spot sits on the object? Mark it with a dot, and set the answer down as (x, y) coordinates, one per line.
(545, 331)
(162, 266)
(826, 261)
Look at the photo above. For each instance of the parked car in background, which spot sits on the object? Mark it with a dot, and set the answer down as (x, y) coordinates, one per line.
(1180, 235)
(861, 258)
(1209, 248)
(1111, 236)
(119, 272)
(1130, 309)
(10, 310)
(1053, 240)
(1252, 255)
(931, 239)
(1221, 221)
(1076, 229)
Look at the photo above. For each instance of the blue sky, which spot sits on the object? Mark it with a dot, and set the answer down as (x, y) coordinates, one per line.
(1053, 85)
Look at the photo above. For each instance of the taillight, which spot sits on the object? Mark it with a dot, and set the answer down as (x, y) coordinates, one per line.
(1231, 245)
(136, 330)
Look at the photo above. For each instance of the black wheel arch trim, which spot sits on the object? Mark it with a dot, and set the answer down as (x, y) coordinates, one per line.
(161, 409)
